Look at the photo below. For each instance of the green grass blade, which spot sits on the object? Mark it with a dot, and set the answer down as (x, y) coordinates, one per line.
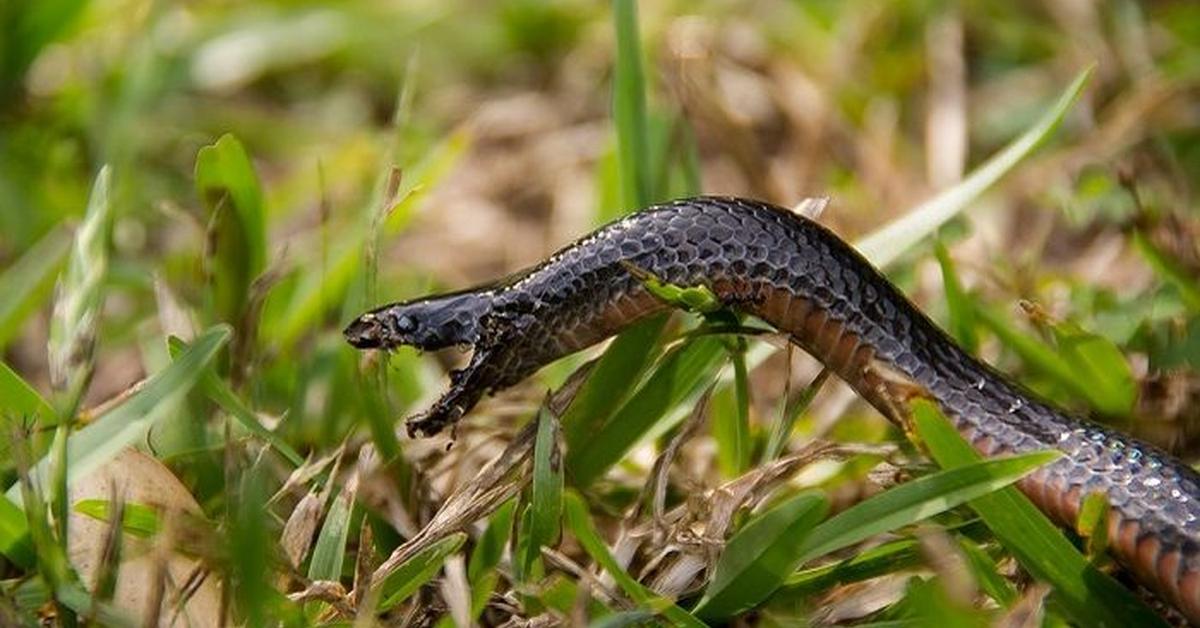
(731, 416)
(1092, 525)
(329, 552)
(50, 553)
(19, 400)
(987, 574)
(59, 509)
(1169, 270)
(632, 351)
(624, 619)
(885, 245)
(680, 375)
(138, 520)
(219, 391)
(418, 570)
(249, 544)
(1099, 362)
(760, 556)
(928, 603)
(629, 108)
(14, 535)
(481, 571)
(917, 500)
(888, 558)
(90, 447)
(585, 532)
(1088, 596)
(962, 309)
(545, 517)
(1075, 376)
(228, 186)
(79, 600)
(615, 373)
(79, 298)
(27, 283)
(781, 431)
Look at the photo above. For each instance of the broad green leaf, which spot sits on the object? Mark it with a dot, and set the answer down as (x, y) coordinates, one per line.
(95, 444)
(418, 570)
(680, 375)
(760, 556)
(229, 188)
(580, 522)
(329, 552)
(1088, 596)
(27, 282)
(918, 500)
(885, 245)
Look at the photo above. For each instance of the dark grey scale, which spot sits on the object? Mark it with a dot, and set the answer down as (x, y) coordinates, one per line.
(720, 233)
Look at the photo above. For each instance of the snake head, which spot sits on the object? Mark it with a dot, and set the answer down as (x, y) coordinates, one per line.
(429, 324)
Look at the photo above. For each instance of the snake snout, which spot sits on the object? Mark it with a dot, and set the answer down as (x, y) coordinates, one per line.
(366, 332)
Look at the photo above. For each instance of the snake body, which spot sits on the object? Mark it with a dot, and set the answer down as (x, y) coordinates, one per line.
(802, 279)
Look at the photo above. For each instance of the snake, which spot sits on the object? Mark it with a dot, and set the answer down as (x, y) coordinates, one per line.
(798, 276)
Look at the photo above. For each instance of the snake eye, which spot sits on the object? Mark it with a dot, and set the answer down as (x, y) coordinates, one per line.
(406, 324)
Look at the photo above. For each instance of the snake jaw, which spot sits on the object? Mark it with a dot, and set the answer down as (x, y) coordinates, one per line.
(366, 332)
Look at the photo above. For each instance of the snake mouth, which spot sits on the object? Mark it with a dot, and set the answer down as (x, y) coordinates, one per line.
(366, 332)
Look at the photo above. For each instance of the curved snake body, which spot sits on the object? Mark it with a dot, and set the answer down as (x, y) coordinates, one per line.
(805, 281)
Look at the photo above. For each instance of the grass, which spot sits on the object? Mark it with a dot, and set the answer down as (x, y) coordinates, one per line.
(194, 200)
